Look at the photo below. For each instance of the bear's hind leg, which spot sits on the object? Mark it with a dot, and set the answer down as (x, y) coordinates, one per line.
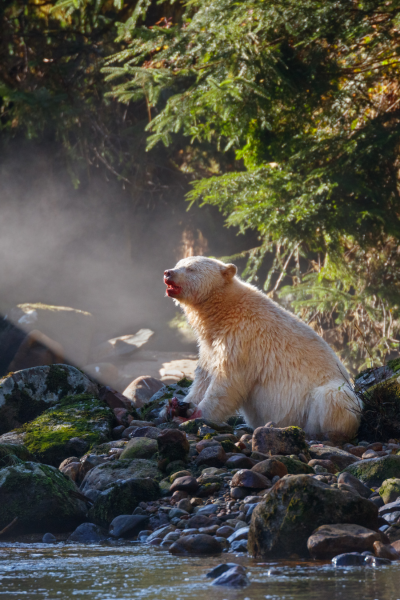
(334, 411)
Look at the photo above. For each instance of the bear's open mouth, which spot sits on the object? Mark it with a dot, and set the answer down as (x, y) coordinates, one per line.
(172, 288)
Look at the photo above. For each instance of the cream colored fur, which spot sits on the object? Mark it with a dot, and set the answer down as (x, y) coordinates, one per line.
(259, 358)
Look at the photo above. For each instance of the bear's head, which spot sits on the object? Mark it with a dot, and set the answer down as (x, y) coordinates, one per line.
(195, 278)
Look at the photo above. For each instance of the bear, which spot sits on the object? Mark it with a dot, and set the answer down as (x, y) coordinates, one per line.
(258, 358)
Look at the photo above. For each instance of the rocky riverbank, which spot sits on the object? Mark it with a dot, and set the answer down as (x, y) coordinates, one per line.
(86, 465)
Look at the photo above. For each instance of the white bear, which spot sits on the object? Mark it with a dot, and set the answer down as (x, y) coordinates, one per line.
(258, 358)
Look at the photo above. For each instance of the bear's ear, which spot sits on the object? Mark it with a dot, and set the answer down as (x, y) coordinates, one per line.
(229, 271)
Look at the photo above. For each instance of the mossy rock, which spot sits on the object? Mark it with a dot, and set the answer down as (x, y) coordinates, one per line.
(11, 454)
(122, 498)
(294, 508)
(26, 394)
(102, 476)
(294, 467)
(41, 497)
(72, 426)
(193, 425)
(280, 440)
(380, 417)
(152, 408)
(374, 471)
(390, 490)
(140, 448)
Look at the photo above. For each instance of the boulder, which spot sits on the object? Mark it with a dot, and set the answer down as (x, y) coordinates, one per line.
(122, 498)
(340, 458)
(276, 440)
(214, 456)
(142, 389)
(294, 507)
(69, 428)
(329, 540)
(349, 479)
(172, 445)
(88, 533)
(71, 328)
(390, 490)
(122, 346)
(41, 497)
(374, 471)
(250, 479)
(270, 468)
(102, 476)
(199, 544)
(349, 559)
(25, 395)
(139, 448)
(113, 398)
(36, 350)
(127, 526)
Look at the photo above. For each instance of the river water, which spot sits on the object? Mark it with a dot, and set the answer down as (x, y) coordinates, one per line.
(136, 571)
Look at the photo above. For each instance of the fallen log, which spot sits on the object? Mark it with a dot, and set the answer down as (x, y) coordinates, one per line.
(9, 527)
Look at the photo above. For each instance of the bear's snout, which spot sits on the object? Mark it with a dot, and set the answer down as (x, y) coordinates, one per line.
(167, 274)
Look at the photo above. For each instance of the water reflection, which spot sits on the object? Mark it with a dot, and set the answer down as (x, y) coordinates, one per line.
(140, 572)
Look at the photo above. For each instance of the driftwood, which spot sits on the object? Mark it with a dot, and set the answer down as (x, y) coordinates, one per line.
(80, 496)
(9, 527)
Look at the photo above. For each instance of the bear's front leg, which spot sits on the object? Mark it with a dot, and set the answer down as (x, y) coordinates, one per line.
(221, 400)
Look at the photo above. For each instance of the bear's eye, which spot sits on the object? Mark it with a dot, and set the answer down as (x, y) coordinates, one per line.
(190, 269)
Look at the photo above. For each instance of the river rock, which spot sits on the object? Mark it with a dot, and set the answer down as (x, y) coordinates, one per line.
(349, 479)
(250, 479)
(329, 540)
(326, 464)
(122, 498)
(40, 496)
(103, 475)
(385, 551)
(294, 507)
(206, 444)
(88, 533)
(374, 471)
(173, 445)
(390, 490)
(139, 448)
(199, 544)
(113, 398)
(276, 440)
(294, 466)
(26, 394)
(187, 484)
(239, 546)
(147, 431)
(222, 568)
(349, 559)
(193, 425)
(142, 389)
(240, 534)
(270, 468)
(198, 521)
(69, 427)
(340, 458)
(215, 456)
(234, 577)
(127, 526)
(239, 461)
(49, 538)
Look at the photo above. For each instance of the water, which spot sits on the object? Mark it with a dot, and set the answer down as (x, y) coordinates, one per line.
(136, 571)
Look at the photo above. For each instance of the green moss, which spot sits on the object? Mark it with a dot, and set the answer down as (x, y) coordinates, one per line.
(229, 446)
(10, 452)
(57, 381)
(184, 383)
(80, 416)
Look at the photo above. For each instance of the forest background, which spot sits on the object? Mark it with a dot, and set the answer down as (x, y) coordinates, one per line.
(282, 116)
